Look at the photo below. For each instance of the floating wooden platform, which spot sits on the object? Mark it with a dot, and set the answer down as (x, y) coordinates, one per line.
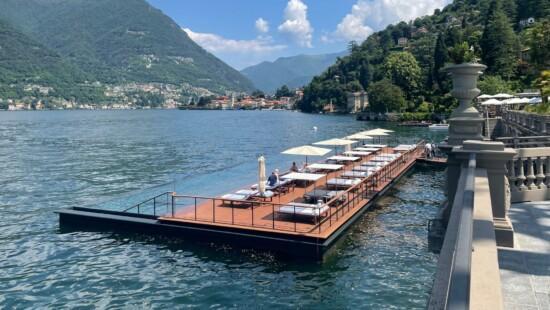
(256, 223)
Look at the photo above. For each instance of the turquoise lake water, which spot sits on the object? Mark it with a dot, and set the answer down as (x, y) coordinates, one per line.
(55, 159)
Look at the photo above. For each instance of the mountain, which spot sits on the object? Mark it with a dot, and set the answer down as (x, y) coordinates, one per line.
(116, 42)
(26, 64)
(293, 71)
(409, 56)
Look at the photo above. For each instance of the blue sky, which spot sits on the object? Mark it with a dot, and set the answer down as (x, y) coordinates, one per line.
(246, 32)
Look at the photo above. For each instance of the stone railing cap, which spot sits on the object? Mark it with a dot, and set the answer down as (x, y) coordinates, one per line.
(474, 145)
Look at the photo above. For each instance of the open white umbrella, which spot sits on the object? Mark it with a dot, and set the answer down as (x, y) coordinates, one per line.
(335, 142)
(491, 102)
(378, 132)
(485, 96)
(357, 136)
(306, 150)
(261, 175)
(535, 100)
(503, 96)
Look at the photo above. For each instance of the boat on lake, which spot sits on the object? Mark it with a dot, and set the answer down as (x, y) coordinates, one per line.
(439, 127)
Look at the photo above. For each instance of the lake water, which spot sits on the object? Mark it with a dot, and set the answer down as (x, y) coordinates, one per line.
(55, 159)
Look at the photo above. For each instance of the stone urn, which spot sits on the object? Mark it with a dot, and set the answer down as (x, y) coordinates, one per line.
(465, 122)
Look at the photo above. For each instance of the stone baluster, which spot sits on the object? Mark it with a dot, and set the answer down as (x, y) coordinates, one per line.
(547, 172)
(521, 175)
(531, 178)
(512, 175)
(540, 173)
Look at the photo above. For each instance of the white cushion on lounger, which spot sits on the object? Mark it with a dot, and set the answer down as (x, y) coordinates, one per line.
(343, 182)
(304, 211)
(235, 197)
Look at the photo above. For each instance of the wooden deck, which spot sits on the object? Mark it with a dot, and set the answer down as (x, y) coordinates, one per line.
(262, 216)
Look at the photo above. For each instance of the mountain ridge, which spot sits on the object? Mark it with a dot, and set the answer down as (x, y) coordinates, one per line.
(293, 71)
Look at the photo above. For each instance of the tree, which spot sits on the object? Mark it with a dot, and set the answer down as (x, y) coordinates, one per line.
(283, 91)
(440, 58)
(499, 43)
(258, 94)
(538, 40)
(491, 84)
(385, 97)
(403, 70)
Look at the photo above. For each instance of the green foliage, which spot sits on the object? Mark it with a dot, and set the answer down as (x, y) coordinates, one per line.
(460, 53)
(482, 25)
(144, 99)
(415, 116)
(493, 84)
(538, 40)
(283, 91)
(258, 94)
(385, 97)
(499, 43)
(403, 70)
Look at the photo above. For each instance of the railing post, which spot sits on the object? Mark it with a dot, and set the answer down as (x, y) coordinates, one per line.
(155, 206)
(173, 198)
(195, 208)
(214, 210)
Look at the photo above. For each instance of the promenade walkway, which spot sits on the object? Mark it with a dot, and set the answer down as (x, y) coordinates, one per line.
(525, 270)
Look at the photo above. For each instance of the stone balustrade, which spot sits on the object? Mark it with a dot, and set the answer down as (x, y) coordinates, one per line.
(529, 174)
(523, 123)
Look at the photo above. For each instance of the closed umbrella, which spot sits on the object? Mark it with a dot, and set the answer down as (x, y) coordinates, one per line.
(306, 150)
(261, 175)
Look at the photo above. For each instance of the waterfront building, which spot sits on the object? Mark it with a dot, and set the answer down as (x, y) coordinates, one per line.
(357, 101)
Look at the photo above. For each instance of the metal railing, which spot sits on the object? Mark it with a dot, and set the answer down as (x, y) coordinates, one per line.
(152, 205)
(267, 214)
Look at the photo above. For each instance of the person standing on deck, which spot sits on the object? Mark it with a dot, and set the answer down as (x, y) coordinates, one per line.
(428, 150)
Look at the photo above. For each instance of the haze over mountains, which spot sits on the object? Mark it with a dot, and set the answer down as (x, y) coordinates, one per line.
(113, 42)
(295, 71)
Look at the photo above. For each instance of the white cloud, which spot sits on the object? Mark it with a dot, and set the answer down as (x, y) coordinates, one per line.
(367, 16)
(218, 44)
(262, 25)
(296, 25)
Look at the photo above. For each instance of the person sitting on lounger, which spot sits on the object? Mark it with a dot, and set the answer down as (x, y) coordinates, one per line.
(272, 179)
(294, 167)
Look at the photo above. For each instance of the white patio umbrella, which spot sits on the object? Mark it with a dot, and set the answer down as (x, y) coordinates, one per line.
(491, 102)
(485, 96)
(378, 132)
(306, 150)
(535, 100)
(335, 142)
(503, 96)
(358, 136)
(261, 175)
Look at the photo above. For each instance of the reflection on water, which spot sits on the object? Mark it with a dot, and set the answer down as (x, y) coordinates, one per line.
(51, 160)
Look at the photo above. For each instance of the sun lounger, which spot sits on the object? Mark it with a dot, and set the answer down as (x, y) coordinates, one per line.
(281, 186)
(321, 194)
(357, 174)
(367, 168)
(304, 209)
(340, 182)
(255, 193)
(375, 163)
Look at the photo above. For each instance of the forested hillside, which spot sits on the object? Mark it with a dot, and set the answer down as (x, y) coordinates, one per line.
(115, 42)
(400, 66)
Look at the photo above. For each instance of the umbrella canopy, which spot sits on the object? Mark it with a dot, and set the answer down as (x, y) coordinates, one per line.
(503, 96)
(516, 100)
(491, 102)
(335, 142)
(485, 96)
(261, 174)
(535, 100)
(358, 136)
(307, 150)
(375, 132)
